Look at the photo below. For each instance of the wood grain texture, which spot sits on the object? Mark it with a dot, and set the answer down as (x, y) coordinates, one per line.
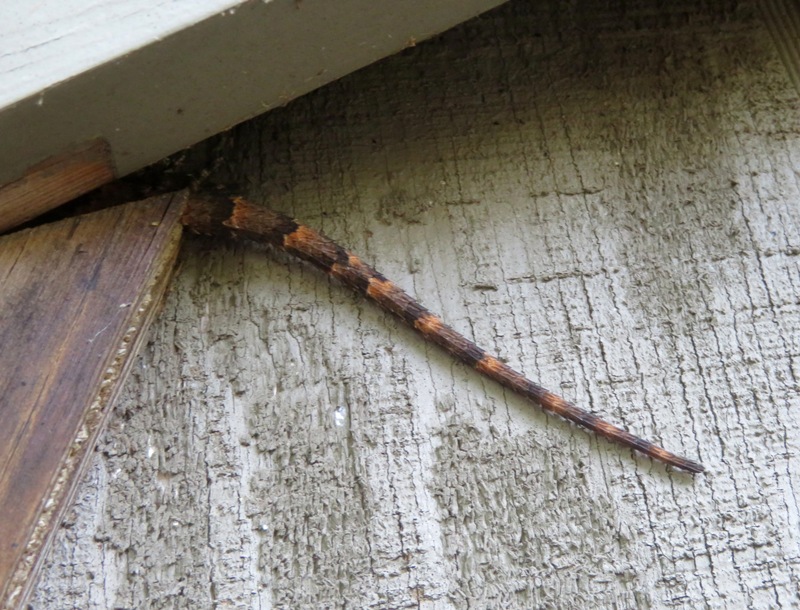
(603, 194)
(76, 298)
(55, 181)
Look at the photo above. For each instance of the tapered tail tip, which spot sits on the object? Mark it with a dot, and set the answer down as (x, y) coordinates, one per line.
(689, 466)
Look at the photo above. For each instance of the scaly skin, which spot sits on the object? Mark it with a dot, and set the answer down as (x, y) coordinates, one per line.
(212, 214)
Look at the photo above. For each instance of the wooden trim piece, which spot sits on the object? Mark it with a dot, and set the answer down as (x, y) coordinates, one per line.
(160, 88)
(54, 181)
(76, 298)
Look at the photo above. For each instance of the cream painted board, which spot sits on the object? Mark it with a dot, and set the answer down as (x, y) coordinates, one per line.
(152, 77)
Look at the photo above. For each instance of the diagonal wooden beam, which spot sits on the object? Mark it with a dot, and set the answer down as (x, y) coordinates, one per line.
(75, 299)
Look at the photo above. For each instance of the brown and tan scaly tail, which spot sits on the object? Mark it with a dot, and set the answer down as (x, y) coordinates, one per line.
(212, 214)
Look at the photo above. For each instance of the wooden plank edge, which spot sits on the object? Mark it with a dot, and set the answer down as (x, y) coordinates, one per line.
(54, 181)
(66, 480)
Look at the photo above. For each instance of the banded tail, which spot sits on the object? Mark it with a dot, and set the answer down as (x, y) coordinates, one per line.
(211, 214)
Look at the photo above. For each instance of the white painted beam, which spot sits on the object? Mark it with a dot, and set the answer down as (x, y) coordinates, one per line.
(151, 77)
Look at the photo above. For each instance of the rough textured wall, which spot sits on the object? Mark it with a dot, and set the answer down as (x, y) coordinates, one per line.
(606, 196)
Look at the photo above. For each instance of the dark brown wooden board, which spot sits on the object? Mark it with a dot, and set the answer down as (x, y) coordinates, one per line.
(75, 299)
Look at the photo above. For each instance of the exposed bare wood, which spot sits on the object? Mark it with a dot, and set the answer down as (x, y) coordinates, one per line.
(55, 181)
(75, 299)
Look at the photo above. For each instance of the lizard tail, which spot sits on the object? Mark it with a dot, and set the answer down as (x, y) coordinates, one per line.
(212, 214)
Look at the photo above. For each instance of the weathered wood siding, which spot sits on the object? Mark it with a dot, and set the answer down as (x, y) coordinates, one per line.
(605, 195)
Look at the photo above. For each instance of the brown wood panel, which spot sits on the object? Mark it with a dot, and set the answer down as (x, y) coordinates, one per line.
(75, 298)
(55, 181)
